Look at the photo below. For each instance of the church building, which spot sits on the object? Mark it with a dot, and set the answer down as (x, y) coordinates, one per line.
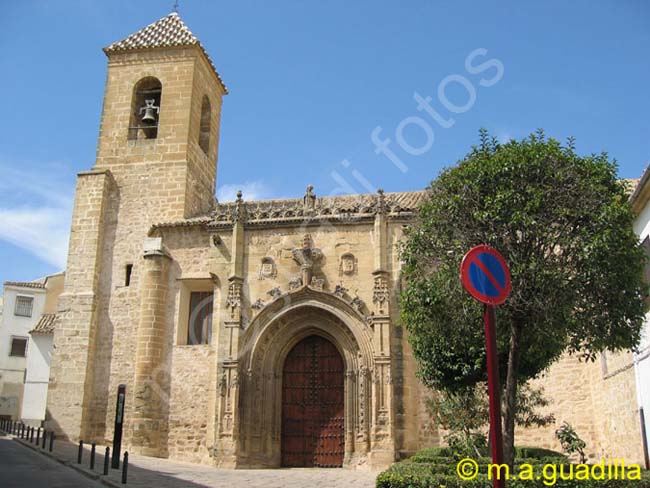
(250, 333)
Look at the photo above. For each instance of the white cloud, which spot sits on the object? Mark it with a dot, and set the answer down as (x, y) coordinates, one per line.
(43, 231)
(35, 210)
(251, 190)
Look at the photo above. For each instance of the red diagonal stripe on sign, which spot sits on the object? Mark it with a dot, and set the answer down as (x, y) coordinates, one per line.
(475, 260)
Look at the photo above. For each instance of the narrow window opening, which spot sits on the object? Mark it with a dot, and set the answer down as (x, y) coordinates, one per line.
(199, 328)
(204, 129)
(18, 347)
(127, 276)
(145, 109)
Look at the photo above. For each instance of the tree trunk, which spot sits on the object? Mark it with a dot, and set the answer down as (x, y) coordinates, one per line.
(511, 396)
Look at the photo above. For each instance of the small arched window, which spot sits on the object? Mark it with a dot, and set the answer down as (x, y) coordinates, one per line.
(145, 109)
(204, 128)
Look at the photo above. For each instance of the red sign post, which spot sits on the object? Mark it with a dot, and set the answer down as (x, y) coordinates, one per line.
(486, 276)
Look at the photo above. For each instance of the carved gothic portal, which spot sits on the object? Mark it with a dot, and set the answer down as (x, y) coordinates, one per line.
(312, 405)
(342, 366)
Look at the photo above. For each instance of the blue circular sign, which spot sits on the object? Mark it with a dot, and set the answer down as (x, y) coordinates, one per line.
(485, 275)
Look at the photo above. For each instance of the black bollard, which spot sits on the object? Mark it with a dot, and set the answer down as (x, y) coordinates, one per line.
(22, 431)
(92, 456)
(80, 452)
(125, 466)
(44, 438)
(31, 435)
(38, 436)
(106, 459)
(51, 441)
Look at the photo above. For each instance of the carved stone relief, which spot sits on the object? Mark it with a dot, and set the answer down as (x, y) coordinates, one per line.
(268, 269)
(317, 283)
(295, 283)
(274, 293)
(348, 264)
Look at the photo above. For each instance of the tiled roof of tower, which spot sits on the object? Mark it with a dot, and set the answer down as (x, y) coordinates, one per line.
(169, 31)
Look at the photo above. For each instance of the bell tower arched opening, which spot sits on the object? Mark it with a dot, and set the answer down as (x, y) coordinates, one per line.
(145, 109)
(313, 419)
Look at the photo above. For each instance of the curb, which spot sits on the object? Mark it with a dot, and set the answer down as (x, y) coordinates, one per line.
(87, 473)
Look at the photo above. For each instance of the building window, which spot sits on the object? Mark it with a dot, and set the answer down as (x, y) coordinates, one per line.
(204, 129)
(199, 328)
(24, 306)
(18, 347)
(127, 274)
(145, 109)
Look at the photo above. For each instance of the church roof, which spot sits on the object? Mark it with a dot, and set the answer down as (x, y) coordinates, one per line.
(170, 31)
(341, 209)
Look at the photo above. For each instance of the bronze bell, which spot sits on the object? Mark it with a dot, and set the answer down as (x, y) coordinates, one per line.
(150, 111)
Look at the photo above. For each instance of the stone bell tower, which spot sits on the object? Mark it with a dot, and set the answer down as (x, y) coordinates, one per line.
(162, 109)
(156, 162)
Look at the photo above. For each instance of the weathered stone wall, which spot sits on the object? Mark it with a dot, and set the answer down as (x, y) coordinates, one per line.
(154, 180)
(71, 371)
(597, 398)
(191, 415)
(332, 241)
(615, 409)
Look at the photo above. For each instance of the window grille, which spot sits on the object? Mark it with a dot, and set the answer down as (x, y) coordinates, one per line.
(24, 306)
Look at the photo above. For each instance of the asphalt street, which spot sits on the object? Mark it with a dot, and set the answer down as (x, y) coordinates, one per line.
(22, 467)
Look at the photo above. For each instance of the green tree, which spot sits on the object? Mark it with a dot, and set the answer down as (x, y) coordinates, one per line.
(564, 225)
(465, 413)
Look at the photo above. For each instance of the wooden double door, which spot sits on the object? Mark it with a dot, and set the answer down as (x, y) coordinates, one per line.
(313, 405)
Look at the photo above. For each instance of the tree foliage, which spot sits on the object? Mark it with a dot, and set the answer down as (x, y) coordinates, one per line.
(564, 226)
(465, 414)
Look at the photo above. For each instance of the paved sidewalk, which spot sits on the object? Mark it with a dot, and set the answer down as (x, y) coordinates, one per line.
(21, 467)
(162, 473)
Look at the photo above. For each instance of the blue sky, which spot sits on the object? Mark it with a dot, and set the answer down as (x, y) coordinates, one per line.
(309, 83)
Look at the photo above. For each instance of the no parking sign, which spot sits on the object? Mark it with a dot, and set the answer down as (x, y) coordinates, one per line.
(485, 275)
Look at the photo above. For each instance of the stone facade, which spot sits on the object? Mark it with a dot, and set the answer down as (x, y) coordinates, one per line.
(147, 234)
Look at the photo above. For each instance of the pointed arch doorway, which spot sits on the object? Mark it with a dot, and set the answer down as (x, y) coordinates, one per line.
(313, 405)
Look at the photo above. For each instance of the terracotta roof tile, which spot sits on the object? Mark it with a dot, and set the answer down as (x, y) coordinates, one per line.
(169, 31)
(342, 208)
(26, 284)
(45, 325)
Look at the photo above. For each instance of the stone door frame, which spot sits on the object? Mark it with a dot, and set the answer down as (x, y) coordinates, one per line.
(266, 344)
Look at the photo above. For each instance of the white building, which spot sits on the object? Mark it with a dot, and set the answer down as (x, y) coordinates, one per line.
(640, 201)
(28, 307)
